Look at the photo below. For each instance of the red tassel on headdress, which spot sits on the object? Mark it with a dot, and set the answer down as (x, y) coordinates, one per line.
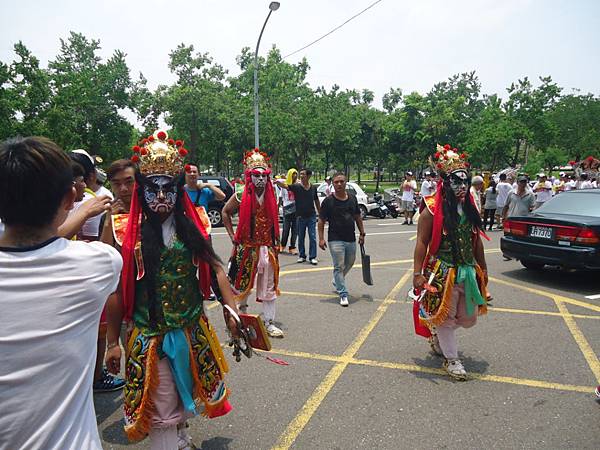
(127, 252)
(204, 278)
(438, 221)
(248, 206)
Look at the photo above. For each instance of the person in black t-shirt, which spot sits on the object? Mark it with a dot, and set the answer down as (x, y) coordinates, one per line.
(341, 211)
(306, 203)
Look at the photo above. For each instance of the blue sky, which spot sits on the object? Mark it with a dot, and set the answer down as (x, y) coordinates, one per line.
(397, 43)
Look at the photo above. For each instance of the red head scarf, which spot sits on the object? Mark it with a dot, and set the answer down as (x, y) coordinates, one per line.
(249, 206)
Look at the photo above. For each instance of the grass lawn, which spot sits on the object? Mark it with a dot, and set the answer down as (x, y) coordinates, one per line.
(369, 186)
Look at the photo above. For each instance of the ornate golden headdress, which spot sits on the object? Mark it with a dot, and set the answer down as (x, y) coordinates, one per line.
(159, 155)
(255, 159)
(447, 159)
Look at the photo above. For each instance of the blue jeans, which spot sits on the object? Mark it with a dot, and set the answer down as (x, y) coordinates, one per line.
(311, 224)
(343, 254)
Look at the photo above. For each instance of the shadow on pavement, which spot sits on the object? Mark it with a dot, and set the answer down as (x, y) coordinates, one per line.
(216, 443)
(436, 362)
(115, 434)
(106, 404)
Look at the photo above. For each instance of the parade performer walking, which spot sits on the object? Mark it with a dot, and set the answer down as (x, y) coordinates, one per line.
(449, 260)
(255, 257)
(174, 364)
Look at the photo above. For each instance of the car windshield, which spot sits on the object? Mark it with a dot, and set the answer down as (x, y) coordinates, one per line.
(575, 203)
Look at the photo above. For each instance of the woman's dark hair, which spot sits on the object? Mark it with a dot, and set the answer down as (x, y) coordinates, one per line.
(152, 238)
(88, 166)
(493, 185)
(451, 217)
(78, 170)
(24, 162)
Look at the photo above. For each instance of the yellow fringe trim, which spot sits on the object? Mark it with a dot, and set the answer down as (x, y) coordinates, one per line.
(140, 428)
(198, 392)
(215, 345)
(446, 302)
(483, 289)
(246, 292)
(275, 261)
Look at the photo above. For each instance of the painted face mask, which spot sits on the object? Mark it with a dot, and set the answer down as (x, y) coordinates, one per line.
(259, 178)
(458, 183)
(160, 194)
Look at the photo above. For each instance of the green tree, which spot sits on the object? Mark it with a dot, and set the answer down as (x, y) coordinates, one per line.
(576, 124)
(490, 138)
(88, 95)
(528, 104)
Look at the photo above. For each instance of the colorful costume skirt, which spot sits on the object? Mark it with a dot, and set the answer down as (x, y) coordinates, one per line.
(207, 366)
(244, 265)
(436, 303)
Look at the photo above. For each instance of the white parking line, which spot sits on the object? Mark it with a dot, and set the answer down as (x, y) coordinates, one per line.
(389, 224)
(390, 232)
(593, 297)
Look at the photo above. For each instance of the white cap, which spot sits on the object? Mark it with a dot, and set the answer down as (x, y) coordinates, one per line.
(83, 152)
(562, 174)
(541, 174)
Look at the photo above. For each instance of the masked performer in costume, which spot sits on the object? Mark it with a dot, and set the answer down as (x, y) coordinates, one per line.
(449, 261)
(174, 364)
(256, 240)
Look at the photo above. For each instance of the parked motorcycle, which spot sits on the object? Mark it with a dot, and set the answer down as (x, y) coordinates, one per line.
(392, 206)
(382, 209)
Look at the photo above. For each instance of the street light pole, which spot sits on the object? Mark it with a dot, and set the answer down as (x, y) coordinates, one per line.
(273, 6)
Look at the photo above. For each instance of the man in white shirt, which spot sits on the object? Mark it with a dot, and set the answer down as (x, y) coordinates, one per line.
(477, 190)
(329, 187)
(542, 190)
(428, 185)
(52, 292)
(503, 188)
(408, 198)
(585, 183)
(90, 231)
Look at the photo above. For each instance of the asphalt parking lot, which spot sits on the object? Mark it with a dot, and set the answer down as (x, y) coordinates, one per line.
(358, 377)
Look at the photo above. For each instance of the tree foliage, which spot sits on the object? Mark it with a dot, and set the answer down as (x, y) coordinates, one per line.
(81, 101)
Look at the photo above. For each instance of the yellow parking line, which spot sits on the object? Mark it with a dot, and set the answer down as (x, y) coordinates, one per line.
(413, 238)
(296, 426)
(559, 300)
(541, 313)
(542, 293)
(421, 369)
(584, 346)
(478, 376)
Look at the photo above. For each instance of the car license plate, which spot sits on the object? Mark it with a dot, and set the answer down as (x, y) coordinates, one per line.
(540, 232)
